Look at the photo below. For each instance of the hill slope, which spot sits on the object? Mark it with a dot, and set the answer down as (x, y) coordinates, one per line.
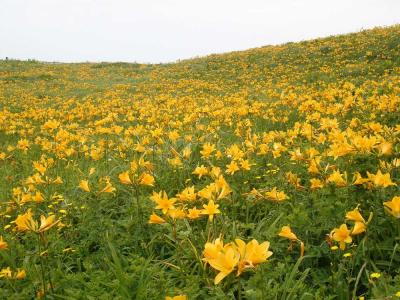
(139, 169)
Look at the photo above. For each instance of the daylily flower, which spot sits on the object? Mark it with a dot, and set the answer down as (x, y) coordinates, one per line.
(84, 185)
(342, 235)
(108, 188)
(287, 232)
(210, 209)
(225, 263)
(179, 297)
(146, 179)
(124, 178)
(163, 202)
(359, 227)
(276, 195)
(252, 254)
(380, 180)
(393, 207)
(194, 213)
(355, 215)
(26, 222)
(337, 178)
(200, 171)
(232, 168)
(154, 219)
(3, 244)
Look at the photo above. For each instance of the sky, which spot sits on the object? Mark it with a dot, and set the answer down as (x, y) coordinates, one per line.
(154, 31)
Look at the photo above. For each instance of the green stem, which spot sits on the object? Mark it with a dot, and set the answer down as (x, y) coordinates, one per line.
(174, 230)
(138, 208)
(208, 226)
(42, 267)
(46, 246)
(239, 289)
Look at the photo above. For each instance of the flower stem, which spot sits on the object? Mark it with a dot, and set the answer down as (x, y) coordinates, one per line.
(41, 266)
(239, 289)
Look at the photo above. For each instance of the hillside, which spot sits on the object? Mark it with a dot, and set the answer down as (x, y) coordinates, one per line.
(179, 179)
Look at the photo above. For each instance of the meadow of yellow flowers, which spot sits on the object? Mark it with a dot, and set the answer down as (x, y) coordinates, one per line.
(272, 173)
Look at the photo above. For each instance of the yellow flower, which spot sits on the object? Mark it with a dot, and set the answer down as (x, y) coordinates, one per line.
(23, 144)
(84, 185)
(316, 183)
(21, 274)
(207, 150)
(225, 263)
(200, 171)
(186, 152)
(275, 195)
(194, 213)
(342, 235)
(176, 213)
(358, 180)
(245, 165)
(58, 180)
(25, 222)
(47, 223)
(38, 197)
(92, 171)
(210, 209)
(393, 207)
(314, 166)
(175, 162)
(381, 180)
(385, 148)
(124, 178)
(6, 273)
(154, 219)
(225, 258)
(3, 244)
(296, 155)
(39, 167)
(375, 275)
(232, 168)
(337, 179)
(179, 297)
(355, 215)
(222, 188)
(286, 232)
(108, 188)
(235, 152)
(188, 194)
(146, 179)
(252, 254)
(359, 227)
(215, 172)
(163, 202)
(211, 250)
(37, 179)
(208, 192)
(293, 179)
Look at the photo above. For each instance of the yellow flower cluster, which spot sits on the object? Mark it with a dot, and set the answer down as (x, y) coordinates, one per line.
(225, 258)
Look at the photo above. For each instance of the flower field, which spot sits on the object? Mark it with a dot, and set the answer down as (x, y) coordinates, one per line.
(271, 173)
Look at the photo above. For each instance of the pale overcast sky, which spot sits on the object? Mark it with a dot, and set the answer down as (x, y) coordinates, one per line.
(166, 30)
